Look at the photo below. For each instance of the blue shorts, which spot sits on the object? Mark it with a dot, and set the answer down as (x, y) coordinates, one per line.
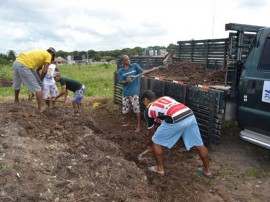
(168, 134)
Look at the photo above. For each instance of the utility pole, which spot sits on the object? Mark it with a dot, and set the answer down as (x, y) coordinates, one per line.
(213, 25)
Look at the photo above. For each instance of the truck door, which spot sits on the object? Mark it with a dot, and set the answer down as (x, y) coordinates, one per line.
(254, 90)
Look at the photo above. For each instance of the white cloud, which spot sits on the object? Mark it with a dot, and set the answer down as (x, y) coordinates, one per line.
(251, 4)
(115, 24)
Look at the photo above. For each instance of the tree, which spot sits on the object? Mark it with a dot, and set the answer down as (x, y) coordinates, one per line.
(11, 55)
(137, 51)
(172, 48)
(62, 54)
(97, 57)
(3, 59)
(91, 53)
(126, 51)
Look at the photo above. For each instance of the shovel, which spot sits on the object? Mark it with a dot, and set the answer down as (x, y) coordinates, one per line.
(54, 100)
(166, 62)
(140, 157)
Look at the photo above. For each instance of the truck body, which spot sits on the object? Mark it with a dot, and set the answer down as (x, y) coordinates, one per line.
(253, 92)
(245, 95)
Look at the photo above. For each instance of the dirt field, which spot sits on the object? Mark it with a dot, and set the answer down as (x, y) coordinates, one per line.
(60, 156)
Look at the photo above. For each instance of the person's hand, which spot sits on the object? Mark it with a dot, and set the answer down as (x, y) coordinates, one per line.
(128, 80)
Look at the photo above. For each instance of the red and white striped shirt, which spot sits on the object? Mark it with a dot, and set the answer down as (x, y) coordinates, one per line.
(168, 109)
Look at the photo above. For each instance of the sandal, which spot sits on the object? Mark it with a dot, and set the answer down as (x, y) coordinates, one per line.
(201, 172)
(154, 169)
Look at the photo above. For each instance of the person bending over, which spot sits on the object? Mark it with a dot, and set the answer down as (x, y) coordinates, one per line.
(178, 121)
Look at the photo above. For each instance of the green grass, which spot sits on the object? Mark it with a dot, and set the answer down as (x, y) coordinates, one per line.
(2, 167)
(253, 173)
(225, 174)
(98, 79)
(6, 71)
(250, 173)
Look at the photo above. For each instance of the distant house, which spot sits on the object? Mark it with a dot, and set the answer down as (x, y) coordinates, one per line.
(159, 52)
(162, 52)
(60, 60)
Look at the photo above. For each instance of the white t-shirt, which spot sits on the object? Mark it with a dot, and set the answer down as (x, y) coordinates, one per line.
(48, 79)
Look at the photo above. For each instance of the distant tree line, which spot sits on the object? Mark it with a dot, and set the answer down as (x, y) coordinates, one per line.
(92, 54)
(112, 54)
(8, 58)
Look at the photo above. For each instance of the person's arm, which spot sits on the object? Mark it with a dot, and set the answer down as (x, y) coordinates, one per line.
(150, 128)
(150, 133)
(65, 98)
(121, 80)
(44, 70)
(128, 80)
(145, 72)
(63, 92)
(38, 70)
(142, 72)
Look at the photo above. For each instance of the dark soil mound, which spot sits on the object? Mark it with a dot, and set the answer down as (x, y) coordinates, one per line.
(191, 73)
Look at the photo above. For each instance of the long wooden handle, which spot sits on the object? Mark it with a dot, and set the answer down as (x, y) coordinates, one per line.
(55, 100)
(149, 71)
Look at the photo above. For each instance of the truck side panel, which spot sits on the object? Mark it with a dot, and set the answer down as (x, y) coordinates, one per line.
(254, 87)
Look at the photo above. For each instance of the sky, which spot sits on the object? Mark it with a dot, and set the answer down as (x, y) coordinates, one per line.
(100, 25)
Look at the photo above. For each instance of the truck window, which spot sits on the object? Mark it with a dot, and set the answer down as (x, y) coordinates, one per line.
(265, 59)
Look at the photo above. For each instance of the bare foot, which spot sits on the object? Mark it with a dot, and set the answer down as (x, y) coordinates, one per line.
(126, 125)
(138, 130)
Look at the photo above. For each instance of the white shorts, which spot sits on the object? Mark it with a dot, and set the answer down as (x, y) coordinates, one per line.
(50, 91)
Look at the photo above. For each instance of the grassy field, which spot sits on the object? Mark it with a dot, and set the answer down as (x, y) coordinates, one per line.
(98, 79)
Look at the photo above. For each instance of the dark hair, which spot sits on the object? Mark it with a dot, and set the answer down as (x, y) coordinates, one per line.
(149, 94)
(51, 50)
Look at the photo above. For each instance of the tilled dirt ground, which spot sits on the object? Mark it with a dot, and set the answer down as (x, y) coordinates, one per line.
(60, 156)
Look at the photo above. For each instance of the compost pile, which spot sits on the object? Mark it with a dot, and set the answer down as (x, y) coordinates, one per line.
(191, 73)
(60, 156)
